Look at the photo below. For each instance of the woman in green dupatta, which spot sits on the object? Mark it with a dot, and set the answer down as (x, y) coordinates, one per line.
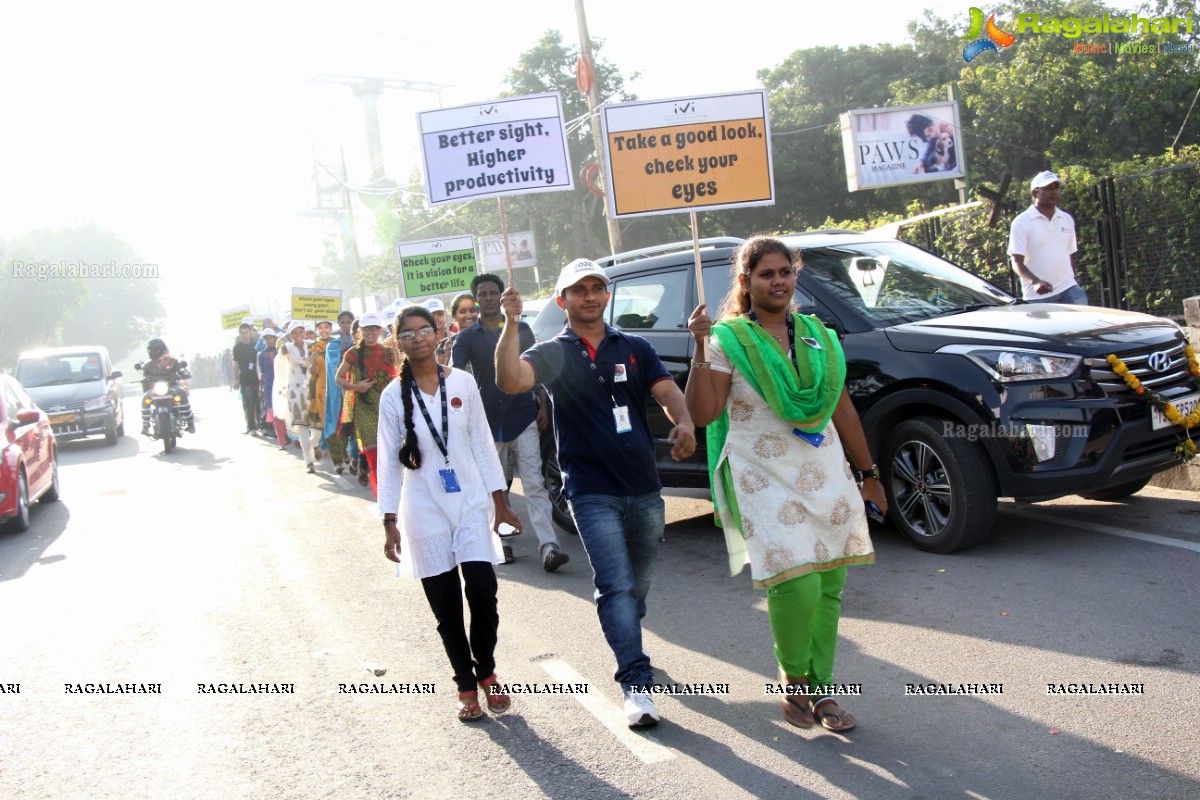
(768, 384)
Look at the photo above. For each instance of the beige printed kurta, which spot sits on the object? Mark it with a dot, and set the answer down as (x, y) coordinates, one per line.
(801, 510)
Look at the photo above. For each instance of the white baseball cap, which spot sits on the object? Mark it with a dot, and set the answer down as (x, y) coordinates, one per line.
(296, 323)
(433, 304)
(369, 319)
(576, 271)
(271, 332)
(1044, 179)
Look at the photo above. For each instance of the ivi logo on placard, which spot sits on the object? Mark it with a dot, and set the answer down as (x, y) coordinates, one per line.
(985, 36)
(687, 111)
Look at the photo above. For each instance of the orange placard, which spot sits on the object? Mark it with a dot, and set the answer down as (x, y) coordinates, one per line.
(695, 161)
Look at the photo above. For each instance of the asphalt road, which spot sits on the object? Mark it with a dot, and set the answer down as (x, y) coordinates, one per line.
(224, 563)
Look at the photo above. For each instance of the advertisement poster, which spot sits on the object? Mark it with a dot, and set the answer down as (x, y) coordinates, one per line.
(521, 245)
(894, 146)
(316, 304)
(437, 266)
(515, 145)
(688, 154)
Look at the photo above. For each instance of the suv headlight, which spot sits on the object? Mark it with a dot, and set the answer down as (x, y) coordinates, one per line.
(1007, 364)
(95, 404)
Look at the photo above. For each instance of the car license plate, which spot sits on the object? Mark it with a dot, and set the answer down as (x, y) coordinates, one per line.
(62, 419)
(1184, 405)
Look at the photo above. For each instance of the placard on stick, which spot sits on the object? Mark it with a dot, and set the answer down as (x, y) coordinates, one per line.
(437, 266)
(516, 145)
(231, 318)
(316, 304)
(688, 154)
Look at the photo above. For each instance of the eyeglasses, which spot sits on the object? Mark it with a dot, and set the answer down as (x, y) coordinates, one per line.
(408, 336)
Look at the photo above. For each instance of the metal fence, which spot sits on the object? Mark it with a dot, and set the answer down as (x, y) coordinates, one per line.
(1149, 239)
(1139, 240)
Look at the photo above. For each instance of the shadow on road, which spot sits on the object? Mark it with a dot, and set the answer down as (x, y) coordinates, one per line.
(20, 551)
(88, 451)
(555, 773)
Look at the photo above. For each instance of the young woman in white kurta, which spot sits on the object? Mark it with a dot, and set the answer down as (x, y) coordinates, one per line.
(291, 389)
(441, 493)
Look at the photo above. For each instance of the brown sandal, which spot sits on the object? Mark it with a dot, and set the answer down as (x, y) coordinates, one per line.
(497, 703)
(468, 706)
(794, 703)
(842, 720)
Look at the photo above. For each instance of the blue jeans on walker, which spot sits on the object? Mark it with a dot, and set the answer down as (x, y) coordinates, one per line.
(1072, 295)
(620, 536)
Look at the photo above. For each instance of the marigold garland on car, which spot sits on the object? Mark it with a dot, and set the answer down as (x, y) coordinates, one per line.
(1186, 448)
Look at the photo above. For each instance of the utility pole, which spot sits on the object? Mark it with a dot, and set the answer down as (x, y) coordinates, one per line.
(593, 98)
(368, 90)
(963, 184)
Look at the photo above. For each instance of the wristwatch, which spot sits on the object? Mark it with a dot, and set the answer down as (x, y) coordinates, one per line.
(863, 474)
(389, 518)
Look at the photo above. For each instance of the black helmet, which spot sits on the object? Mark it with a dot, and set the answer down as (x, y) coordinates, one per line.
(155, 348)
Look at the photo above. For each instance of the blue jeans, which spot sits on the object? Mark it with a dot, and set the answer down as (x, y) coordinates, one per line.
(620, 536)
(1073, 295)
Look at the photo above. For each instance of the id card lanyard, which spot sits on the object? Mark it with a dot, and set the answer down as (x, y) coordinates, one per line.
(449, 479)
(620, 413)
(814, 439)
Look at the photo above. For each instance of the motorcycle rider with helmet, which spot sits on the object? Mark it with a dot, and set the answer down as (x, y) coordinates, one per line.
(163, 366)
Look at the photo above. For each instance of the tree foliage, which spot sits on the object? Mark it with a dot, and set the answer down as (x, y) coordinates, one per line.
(1034, 105)
(118, 313)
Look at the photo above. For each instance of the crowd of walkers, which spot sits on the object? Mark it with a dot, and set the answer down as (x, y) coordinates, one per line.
(435, 410)
(310, 388)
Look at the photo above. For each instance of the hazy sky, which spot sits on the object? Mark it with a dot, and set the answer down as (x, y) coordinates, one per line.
(190, 130)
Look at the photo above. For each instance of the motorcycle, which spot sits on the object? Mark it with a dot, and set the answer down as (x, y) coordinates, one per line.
(164, 398)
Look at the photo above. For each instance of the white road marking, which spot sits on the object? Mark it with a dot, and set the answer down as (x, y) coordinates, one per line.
(609, 714)
(1108, 529)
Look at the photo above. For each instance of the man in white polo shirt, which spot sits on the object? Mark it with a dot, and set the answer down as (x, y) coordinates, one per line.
(1042, 245)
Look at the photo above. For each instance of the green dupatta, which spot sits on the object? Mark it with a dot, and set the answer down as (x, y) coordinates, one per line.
(806, 400)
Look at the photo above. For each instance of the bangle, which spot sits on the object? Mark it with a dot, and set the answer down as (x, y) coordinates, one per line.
(701, 364)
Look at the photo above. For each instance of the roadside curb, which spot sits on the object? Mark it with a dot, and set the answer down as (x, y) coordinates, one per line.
(1185, 477)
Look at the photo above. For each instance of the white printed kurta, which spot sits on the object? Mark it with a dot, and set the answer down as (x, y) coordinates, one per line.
(801, 510)
(291, 386)
(440, 529)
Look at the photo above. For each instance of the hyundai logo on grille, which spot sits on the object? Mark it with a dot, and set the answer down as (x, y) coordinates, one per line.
(1159, 361)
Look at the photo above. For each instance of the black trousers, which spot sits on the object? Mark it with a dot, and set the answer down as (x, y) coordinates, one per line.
(250, 405)
(473, 659)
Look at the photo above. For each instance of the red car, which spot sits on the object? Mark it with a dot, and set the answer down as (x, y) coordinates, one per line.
(28, 456)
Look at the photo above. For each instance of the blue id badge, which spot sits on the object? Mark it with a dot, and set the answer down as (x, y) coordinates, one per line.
(814, 439)
(449, 481)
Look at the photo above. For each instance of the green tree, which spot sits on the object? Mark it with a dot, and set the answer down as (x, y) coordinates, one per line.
(119, 313)
(566, 225)
(808, 91)
(1038, 103)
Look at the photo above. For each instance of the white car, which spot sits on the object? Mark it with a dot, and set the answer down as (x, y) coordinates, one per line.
(531, 308)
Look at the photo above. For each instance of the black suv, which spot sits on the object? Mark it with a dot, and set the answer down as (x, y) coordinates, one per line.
(966, 393)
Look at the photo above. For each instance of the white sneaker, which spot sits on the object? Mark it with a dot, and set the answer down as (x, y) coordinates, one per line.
(640, 711)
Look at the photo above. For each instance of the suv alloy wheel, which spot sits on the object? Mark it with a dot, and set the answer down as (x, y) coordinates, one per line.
(941, 491)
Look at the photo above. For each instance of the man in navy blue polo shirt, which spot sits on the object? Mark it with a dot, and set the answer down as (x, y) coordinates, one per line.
(598, 378)
(512, 417)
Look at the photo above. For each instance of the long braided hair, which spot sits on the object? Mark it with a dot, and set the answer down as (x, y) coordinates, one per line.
(410, 451)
